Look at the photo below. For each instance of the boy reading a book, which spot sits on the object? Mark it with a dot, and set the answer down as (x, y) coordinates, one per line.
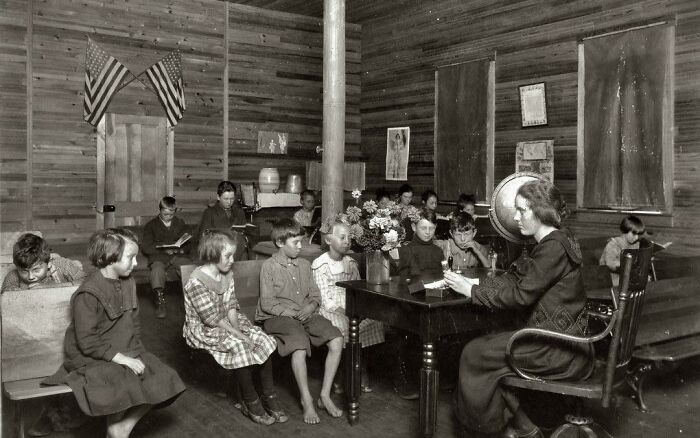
(166, 243)
(226, 215)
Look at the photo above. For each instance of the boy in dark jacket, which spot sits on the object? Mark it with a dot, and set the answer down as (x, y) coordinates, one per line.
(159, 236)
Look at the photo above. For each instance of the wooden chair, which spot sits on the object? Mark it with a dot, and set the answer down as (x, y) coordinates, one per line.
(608, 375)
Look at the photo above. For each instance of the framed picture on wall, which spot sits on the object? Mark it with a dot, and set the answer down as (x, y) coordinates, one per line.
(533, 105)
(397, 143)
(272, 142)
(535, 156)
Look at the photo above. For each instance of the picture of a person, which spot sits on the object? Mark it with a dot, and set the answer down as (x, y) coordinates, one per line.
(397, 153)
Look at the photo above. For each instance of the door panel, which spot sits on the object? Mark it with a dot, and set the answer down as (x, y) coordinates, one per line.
(134, 166)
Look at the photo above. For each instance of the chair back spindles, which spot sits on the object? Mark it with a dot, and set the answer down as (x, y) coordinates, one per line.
(635, 271)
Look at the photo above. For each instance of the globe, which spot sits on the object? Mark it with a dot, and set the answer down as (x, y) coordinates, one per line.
(503, 205)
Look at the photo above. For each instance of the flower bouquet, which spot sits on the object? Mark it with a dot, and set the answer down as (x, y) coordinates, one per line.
(375, 230)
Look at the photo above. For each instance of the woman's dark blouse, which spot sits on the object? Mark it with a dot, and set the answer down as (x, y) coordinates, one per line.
(547, 285)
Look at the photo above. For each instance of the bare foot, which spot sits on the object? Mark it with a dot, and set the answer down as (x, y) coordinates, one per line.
(310, 415)
(325, 402)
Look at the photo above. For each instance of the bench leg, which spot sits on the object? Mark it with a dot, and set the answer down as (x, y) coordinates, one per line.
(635, 380)
(19, 419)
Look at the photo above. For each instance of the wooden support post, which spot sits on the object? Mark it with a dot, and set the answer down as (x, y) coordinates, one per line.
(333, 106)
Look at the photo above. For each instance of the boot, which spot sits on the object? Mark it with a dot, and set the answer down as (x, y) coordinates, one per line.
(161, 311)
(404, 387)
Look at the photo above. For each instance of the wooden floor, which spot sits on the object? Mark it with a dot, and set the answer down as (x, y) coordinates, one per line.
(203, 411)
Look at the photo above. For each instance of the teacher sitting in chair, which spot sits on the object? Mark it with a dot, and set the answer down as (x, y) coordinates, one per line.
(547, 289)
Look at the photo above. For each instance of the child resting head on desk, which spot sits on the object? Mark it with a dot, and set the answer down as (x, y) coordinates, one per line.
(35, 266)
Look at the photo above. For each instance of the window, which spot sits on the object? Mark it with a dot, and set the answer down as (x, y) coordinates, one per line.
(625, 120)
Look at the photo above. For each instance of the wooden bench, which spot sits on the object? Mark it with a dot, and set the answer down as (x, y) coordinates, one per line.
(34, 324)
(669, 328)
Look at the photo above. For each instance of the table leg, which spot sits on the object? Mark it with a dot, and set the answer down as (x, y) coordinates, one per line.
(353, 370)
(429, 384)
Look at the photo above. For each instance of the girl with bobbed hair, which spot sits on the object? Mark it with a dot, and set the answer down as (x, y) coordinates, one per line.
(106, 365)
(215, 324)
(546, 288)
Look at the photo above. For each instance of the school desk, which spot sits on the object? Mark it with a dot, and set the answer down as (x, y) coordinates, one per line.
(428, 317)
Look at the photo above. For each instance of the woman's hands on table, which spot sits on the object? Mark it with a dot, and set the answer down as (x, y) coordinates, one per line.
(458, 283)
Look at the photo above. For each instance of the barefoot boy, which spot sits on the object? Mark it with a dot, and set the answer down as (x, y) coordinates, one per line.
(288, 309)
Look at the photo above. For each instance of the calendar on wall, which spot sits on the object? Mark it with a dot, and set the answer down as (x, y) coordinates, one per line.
(535, 156)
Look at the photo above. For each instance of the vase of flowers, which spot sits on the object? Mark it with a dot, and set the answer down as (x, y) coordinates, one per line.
(376, 230)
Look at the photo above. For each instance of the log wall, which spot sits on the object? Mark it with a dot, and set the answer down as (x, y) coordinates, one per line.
(275, 83)
(534, 41)
(13, 116)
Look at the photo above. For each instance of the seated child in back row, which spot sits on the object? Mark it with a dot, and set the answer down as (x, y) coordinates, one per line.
(421, 256)
(632, 229)
(334, 266)
(461, 246)
(164, 229)
(36, 267)
(305, 214)
(288, 309)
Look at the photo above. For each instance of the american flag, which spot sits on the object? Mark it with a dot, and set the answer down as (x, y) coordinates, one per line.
(103, 77)
(166, 77)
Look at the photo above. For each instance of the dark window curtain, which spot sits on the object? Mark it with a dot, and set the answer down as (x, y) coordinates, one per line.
(460, 159)
(625, 84)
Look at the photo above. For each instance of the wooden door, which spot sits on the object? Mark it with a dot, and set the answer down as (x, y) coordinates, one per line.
(134, 168)
(464, 129)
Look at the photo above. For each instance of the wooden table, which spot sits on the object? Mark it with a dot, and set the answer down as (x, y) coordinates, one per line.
(428, 317)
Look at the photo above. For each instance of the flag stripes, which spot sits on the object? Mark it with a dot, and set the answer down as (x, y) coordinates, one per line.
(166, 78)
(103, 75)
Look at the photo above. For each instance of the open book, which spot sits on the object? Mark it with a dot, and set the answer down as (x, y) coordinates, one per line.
(181, 241)
(243, 226)
(657, 247)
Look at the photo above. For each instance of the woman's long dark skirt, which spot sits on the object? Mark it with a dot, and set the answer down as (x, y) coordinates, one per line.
(481, 404)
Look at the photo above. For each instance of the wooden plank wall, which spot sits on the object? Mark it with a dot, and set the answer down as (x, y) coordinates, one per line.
(13, 116)
(275, 64)
(275, 83)
(138, 34)
(534, 41)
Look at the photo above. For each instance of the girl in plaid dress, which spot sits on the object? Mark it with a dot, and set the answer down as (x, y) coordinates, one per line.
(213, 322)
(334, 266)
